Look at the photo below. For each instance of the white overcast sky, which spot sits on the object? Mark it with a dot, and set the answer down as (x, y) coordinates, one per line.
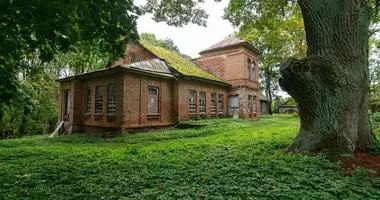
(191, 39)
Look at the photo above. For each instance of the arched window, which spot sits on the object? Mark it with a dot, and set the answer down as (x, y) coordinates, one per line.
(253, 71)
(249, 69)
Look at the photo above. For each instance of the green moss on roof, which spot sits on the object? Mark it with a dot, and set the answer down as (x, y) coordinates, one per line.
(182, 65)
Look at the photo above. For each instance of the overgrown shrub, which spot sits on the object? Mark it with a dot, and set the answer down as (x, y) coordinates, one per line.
(376, 117)
(374, 103)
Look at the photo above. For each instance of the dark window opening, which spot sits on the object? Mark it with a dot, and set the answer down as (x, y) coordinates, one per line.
(220, 103)
(253, 71)
(88, 101)
(249, 69)
(99, 100)
(213, 103)
(111, 107)
(66, 109)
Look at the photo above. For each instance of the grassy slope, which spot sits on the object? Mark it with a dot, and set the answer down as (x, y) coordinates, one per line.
(225, 160)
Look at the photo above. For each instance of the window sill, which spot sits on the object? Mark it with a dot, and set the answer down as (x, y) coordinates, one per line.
(154, 114)
(87, 114)
(111, 114)
(98, 114)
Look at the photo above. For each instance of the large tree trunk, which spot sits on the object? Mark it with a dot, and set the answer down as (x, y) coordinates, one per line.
(330, 85)
(268, 89)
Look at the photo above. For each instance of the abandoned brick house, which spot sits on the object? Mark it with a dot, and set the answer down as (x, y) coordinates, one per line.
(153, 87)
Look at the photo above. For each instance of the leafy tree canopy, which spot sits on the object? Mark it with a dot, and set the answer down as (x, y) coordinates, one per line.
(165, 43)
(49, 27)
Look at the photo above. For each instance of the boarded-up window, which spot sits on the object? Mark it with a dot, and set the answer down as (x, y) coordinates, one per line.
(88, 101)
(66, 109)
(193, 101)
(153, 100)
(111, 106)
(202, 102)
(213, 103)
(98, 100)
(250, 104)
(220, 103)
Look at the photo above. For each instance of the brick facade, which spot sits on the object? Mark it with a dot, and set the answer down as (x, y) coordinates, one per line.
(232, 65)
(132, 88)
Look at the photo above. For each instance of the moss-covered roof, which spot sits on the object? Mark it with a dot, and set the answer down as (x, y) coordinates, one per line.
(182, 65)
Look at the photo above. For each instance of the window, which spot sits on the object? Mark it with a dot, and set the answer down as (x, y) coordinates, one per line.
(250, 104)
(66, 109)
(220, 103)
(153, 100)
(98, 100)
(88, 101)
(253, 71)
(111, 107)
(254, 105)
(202, 102)
(249, 69)
(193, 102)
(213, 103)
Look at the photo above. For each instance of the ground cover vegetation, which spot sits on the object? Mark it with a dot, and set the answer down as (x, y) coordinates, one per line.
(225, 159)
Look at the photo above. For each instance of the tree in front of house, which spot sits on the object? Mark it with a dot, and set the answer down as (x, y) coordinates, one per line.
(330, 85)
(165, 43)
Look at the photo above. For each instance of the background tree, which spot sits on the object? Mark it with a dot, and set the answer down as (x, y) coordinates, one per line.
(276, 36)
(50, 27)
(330, 85)
(165, 43)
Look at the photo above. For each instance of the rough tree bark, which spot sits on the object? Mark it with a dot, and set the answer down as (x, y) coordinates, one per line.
(268, 90)
(330, 85)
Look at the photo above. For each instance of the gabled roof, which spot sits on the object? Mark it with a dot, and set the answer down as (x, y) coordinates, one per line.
(180, 64)
(229, 42)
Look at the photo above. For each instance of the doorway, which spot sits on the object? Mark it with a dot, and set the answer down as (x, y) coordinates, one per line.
(66, 105)
(233, 105)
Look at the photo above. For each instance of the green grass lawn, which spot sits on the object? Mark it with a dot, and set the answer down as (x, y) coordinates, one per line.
(227, 159)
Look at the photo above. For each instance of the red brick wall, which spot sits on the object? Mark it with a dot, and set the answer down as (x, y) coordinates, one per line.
(231, 64)
(183, 98)
(136, 101)
(103, 119)
(244, 110)
(136, 53)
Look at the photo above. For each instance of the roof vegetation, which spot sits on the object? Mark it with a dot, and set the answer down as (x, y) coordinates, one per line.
(182, 65)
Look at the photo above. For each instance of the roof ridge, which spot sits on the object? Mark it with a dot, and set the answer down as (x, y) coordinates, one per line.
(180, 64)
